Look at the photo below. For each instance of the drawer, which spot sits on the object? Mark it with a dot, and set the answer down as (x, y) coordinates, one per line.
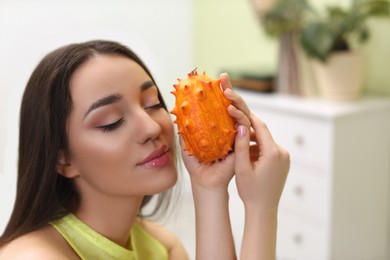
(308, 140)
(298, 240)
(306, 194)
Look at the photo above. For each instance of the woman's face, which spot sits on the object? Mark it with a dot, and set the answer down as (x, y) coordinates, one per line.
(121, 140)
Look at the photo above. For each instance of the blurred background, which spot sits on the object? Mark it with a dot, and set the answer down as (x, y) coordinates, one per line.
(175, 36)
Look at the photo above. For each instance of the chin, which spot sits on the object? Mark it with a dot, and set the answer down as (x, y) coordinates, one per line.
(163, 181)
(169, 179)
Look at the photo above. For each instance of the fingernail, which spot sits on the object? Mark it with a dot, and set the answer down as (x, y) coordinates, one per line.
(228, 91)
(241, 130)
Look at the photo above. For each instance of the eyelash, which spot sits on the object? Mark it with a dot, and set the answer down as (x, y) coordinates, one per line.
(155, 107)
(111, 127)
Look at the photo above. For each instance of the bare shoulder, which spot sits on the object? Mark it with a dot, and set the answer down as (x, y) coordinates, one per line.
(44, 243)
(166, 237)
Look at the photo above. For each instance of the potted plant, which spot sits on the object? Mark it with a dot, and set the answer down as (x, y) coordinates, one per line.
(332, 40)
(283, 20)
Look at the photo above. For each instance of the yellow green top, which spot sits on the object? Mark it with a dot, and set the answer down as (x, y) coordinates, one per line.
(89, 244)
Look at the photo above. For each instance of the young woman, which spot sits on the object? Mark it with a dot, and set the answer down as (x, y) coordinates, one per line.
(97, 143)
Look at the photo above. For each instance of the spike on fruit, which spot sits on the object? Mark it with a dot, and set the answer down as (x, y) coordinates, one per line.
(202, 117)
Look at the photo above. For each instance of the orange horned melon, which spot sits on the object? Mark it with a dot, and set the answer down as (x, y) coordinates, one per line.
(202, 117)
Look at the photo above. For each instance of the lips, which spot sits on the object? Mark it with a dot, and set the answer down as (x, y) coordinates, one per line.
(157, 158)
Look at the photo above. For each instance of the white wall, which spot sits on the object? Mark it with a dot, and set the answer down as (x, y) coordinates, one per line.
(159, 31)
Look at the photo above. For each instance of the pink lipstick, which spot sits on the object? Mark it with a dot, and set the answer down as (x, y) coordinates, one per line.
(158, 158)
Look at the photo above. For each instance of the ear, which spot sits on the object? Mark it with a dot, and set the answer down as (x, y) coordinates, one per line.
(65, 167)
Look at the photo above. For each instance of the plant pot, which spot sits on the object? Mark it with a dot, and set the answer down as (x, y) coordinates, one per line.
(287, 80)
(341, 77)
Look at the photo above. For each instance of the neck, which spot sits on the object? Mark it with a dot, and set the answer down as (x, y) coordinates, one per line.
(111, 217)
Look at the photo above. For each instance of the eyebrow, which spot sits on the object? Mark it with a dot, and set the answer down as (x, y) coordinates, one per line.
(146, 85)
(104, 102)
(108, 100)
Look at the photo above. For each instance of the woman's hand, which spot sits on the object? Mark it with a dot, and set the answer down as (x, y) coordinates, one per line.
(217, 175)
(210, 182)
(261, 169)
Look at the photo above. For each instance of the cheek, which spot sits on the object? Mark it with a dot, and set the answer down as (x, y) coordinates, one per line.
(167, 128)
(93, 151)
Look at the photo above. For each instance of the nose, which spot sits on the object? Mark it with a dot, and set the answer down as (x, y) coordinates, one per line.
(146, 127)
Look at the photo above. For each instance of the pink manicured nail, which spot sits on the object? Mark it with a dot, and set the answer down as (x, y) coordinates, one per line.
(241, 130)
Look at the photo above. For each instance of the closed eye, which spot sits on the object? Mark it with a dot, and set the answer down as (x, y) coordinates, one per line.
(111, 127)
(155, 107)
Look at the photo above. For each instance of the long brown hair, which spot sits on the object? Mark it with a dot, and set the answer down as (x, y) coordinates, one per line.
(42, 194)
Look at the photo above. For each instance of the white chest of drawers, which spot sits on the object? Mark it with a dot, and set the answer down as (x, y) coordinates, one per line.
(336, 202)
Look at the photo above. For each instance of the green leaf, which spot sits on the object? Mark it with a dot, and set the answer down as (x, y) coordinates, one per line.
(285, 16)
(377, 8)
(317, 40)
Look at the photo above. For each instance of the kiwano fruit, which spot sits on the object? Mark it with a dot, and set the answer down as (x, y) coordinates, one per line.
(202, 118)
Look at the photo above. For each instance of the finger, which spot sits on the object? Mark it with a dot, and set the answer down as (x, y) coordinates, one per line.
(242, 162)
(237, 101)
(239, 116)
(225, 81)
(263, 136)
(190, 161)
(253, 136)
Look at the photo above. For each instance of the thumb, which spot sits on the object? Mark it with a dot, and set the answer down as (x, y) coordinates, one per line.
(225, 81)
(242, 162)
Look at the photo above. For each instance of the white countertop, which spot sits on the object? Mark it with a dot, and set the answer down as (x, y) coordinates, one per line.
(313, 105)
